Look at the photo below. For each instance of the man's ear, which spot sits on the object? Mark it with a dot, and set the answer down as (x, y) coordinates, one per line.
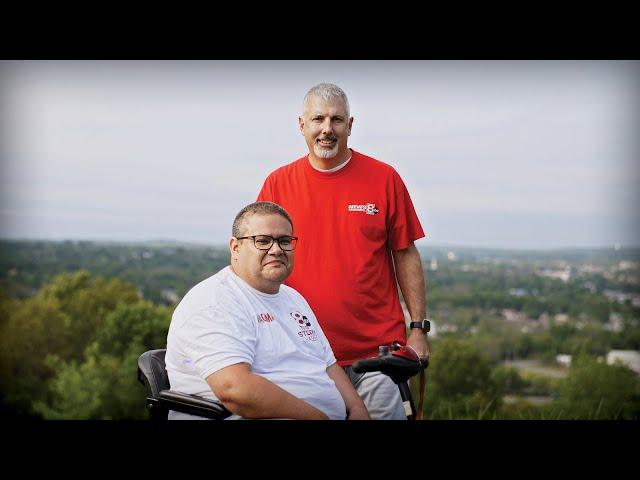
(350, 124)
(301, 124)
(234, 248)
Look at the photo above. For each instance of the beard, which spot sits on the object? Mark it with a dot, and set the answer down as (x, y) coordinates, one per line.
(324, 153)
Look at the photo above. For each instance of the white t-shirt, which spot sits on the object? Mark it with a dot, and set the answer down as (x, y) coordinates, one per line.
(223, 321)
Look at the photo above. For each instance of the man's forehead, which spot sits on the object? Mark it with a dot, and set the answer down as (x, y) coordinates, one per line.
(318, 105)
(269, 221)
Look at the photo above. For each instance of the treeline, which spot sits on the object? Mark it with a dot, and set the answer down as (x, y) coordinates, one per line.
(161, 272)
(491, 288)
(70, 352)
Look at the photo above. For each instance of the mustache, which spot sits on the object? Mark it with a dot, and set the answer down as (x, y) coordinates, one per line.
(331, 138)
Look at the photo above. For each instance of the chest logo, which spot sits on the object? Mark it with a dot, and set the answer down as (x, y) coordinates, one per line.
(306, 333)
(265, 318)
(369, 208)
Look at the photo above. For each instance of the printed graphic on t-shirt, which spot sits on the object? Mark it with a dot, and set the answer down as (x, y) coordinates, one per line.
(368, 208)
(306, 333)
(264, 317)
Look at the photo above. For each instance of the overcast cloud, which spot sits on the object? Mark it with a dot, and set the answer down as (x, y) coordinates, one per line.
(504, 154)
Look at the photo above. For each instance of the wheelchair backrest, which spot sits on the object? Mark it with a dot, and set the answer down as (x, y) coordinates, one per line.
(152, 371)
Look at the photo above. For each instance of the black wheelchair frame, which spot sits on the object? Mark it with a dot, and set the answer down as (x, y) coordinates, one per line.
(397, 361)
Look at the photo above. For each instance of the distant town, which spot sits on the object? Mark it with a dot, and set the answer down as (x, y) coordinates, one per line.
(526, 315)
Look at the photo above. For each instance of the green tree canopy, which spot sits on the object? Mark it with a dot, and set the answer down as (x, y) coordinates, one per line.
(459, 382)
(104, 386)
(58, 322)
(595, 390)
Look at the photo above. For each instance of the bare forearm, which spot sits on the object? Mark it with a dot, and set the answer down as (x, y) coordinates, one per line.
(411, 281)
(253, 396)
(355, 406)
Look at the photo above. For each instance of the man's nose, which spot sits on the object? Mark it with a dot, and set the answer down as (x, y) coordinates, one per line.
(275, 249)
(327, 127)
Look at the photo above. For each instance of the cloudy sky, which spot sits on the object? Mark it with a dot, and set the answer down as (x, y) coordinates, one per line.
(518, 154)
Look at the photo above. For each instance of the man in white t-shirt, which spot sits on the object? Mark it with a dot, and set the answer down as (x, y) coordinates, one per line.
(254, 344)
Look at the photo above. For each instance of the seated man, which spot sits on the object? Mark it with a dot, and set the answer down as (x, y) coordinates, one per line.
(243, 338)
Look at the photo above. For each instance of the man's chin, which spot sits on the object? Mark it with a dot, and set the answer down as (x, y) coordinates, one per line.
(324, 153)
(276, 274)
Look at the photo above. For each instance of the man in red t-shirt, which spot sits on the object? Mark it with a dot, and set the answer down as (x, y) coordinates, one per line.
(356, 225)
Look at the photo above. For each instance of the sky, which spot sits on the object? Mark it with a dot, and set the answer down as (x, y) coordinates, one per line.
(504, 154)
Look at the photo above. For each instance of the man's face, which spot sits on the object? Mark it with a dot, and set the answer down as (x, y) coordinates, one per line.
(264, 270)
(326, 127)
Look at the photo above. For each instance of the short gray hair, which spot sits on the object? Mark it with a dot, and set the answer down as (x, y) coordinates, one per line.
(257, 208)
(326, 91)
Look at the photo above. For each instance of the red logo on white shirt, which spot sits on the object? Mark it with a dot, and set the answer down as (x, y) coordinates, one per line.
(265, 317)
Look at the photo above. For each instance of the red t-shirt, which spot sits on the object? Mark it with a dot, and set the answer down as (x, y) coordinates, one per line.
(348, 222)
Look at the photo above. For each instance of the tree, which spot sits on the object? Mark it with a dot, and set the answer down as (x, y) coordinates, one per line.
(105, 386)
(54, 326)
(595, 390)
(459, 382)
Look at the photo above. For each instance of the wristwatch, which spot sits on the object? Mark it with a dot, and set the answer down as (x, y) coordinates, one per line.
(424, 325)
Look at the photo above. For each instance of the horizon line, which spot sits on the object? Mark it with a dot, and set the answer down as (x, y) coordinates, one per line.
(198, 243)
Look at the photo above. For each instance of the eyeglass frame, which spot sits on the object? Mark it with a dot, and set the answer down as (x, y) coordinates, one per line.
(273, 239)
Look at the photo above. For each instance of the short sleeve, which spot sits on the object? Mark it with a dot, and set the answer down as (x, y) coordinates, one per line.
(266, 193)
(404, 225)
(216, 337)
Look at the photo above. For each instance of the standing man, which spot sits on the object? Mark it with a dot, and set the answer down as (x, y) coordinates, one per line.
(358, 225)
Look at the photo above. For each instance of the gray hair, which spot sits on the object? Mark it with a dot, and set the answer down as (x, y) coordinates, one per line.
(326, 91)
(257, 208)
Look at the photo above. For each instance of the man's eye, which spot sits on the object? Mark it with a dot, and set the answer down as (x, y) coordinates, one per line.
(262, 241)
(285, 241)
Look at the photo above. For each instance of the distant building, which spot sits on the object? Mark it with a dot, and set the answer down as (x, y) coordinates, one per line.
(627, 265)
(590, 268)
(434, 264)
(563, 359)
(622, 297)
(629, 358)
(514, 316)
(544, 320)
(615, 323)
(518, 292)
(561, 317)
(564, 274)
(451, 256)
(170, 295)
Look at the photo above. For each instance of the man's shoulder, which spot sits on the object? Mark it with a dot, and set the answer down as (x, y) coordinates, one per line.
(205, 293)
(369, 162)
(290, 291)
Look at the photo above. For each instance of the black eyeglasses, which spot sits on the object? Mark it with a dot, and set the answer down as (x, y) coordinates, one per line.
(265, 242)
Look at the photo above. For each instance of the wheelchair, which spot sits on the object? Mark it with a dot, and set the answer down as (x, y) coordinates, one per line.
(397, 361)
(152, 373)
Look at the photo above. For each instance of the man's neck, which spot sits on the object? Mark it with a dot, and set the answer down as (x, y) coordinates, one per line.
(270, 288)
(329, 163)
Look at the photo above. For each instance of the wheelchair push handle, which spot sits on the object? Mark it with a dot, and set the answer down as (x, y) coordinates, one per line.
(400, 362)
